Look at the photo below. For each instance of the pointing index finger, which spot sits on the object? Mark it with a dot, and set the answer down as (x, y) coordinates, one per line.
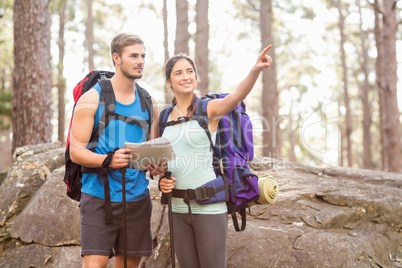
(266, 50)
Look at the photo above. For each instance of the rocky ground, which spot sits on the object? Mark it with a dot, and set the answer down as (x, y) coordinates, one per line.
(324, 217)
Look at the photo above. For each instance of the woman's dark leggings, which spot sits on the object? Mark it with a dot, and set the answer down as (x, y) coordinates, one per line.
(201, 243)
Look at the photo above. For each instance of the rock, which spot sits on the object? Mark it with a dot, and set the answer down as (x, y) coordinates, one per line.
(337, 217)
(324, 217)
(50, 218)
(25, 178)
(36, 255)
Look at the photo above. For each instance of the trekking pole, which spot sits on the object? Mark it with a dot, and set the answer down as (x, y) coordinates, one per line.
(123, 185)
(169, 196)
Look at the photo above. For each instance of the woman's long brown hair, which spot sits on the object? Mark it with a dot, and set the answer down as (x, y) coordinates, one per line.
(168, 71)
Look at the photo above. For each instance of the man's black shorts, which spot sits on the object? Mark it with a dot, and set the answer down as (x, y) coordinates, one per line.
(99, 238)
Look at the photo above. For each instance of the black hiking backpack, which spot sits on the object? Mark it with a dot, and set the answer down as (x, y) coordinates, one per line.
(73, 171)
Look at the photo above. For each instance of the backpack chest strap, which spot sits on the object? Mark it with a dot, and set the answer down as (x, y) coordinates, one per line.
(180, 120)
(131, 120)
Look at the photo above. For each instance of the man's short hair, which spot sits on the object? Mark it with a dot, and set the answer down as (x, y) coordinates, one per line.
(122, 40)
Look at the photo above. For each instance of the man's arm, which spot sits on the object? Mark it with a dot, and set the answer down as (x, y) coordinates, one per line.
(155, 126)
(81, 131)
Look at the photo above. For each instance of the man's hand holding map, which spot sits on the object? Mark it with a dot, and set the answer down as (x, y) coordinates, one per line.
(151, 151)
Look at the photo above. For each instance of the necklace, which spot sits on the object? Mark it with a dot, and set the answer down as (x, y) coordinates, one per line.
(181, 113)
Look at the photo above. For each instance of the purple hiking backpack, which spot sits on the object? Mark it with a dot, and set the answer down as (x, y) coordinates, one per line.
(235, 183)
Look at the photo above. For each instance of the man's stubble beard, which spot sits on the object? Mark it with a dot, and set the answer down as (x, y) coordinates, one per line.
(131, 76)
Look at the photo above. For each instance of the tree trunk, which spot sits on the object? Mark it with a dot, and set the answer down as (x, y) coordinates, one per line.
(89, 34)
(348, 117)
(292, 128)
(31, 76)
(379, 67)
(182, 34)
(367, 162)
(392, 124)
(341, 157)
(201, 44)
(270, 104)
(166, 46)
(61, 83)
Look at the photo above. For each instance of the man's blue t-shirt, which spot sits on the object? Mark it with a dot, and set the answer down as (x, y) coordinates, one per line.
(115, 135)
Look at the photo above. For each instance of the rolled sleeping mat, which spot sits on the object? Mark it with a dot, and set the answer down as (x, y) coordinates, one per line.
(268, 190)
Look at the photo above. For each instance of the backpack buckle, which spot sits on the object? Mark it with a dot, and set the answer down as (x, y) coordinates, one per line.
(201, 193)
(222, 170)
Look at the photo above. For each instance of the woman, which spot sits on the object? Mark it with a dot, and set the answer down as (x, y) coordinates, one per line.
(200, 242)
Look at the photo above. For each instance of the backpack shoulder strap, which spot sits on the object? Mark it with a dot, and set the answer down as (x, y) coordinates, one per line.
(108, 98)
(146, 104)
(202, 117)
(163, 117)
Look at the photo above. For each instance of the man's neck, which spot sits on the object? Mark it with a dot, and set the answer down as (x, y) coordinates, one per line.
(124, 89)
(122, 84)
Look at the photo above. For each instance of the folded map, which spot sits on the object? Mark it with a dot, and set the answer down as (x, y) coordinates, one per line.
(150, 151)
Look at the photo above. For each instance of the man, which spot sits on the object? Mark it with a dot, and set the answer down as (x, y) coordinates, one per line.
(100, 240)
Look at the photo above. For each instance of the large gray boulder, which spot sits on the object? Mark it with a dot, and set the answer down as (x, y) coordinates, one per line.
(324, 217)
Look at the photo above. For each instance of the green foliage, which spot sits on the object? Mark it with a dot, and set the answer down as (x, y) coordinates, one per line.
(6, 63)
(5, 5)
(6, 109)
(248, 9)
(6, 99)
(308, 13)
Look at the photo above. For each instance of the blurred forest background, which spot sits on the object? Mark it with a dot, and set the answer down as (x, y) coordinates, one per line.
(330, 98)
